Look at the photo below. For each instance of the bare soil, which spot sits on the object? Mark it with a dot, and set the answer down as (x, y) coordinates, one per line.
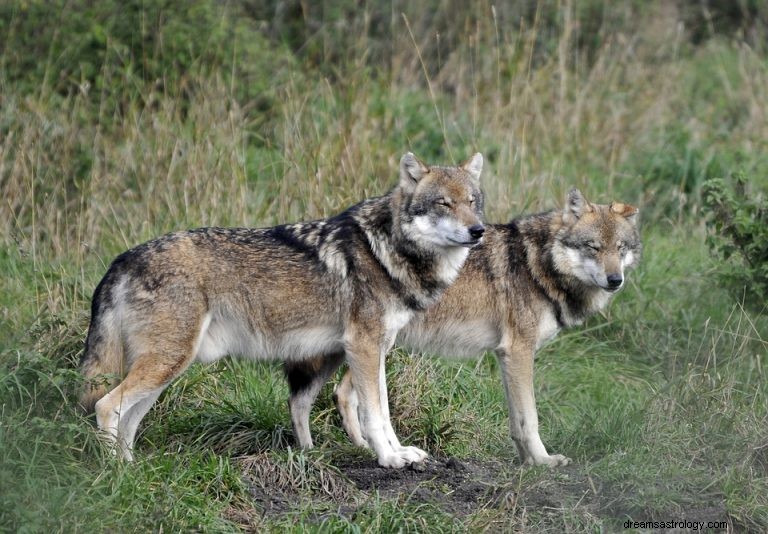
(465, 487)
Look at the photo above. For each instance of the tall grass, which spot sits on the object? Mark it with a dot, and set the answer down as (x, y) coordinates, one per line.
(662, 402)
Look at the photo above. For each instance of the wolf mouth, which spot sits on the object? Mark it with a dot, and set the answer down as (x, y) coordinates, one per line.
(469, 244)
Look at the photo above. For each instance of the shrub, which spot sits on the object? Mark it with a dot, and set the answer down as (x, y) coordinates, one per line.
(738, 222)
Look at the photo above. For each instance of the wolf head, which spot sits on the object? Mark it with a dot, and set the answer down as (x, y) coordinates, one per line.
(597, 243)
(442, 206)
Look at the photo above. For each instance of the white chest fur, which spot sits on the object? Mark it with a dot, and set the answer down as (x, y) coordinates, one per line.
(451, 263)
(547, 328)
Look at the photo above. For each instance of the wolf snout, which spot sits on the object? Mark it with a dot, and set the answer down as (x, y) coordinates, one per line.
(476, 231)
(614, 281)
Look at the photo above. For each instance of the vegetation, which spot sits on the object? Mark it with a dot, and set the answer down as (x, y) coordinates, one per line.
(739, 235)
(120, 121)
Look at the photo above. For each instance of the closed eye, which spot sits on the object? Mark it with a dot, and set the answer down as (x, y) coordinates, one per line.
(443, 202)
(625, 248)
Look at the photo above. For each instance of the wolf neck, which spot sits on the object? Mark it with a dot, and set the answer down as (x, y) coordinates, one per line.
(572, 300)
(420, 274)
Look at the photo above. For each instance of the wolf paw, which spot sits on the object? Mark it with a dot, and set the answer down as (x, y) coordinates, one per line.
(393, 461)
(359, 441)
(115, 448)
(417, 455)
(402, 457)
(558, 460)
(553, 460)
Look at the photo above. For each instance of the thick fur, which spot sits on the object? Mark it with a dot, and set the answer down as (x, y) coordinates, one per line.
(527, 280)
(342, 287)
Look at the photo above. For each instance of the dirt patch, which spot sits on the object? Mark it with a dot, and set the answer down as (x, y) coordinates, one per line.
(510, 495)
(458, 486)
(465, 487)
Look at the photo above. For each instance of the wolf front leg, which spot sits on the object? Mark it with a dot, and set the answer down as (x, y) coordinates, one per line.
(347, 403)
(516, 362)
(365, 356)
(417, 454)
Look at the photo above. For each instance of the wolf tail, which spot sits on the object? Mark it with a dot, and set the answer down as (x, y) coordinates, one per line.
(102, 362)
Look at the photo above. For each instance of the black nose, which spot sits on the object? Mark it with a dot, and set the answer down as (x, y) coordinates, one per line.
(615, 280)
(476, 231)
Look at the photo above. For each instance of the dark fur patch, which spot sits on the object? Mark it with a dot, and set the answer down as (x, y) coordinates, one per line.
(299, 376)
(286, 235)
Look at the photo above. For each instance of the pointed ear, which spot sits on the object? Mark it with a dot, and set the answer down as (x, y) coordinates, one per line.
(575, 206)
(411, 170)
(474, 166)
(626, 211)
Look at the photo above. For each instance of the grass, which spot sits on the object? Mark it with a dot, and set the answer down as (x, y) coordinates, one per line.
(662, 402)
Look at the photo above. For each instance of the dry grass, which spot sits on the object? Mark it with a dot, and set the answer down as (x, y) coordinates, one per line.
(545, 120)
(664, 399)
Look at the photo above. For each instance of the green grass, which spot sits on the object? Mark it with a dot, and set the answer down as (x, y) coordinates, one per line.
(662, 402)
(659, 432)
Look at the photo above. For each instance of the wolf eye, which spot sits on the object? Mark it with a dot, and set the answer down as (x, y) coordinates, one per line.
(594, 247)
(443, 202)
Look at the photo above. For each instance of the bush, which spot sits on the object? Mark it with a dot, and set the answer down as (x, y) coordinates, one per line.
(738, 226)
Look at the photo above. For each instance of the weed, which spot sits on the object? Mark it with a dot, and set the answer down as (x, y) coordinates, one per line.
(739, 236)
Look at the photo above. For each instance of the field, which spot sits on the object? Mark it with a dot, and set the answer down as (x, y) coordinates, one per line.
(120, 121)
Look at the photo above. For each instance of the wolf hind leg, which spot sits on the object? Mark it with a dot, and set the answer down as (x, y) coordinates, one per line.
(129, 424)
(114, 417)
(119, 412)
(305, 380)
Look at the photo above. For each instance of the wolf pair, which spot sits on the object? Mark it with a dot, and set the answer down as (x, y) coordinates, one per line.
(319, 293)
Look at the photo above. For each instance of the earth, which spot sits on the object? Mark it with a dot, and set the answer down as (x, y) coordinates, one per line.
(460, 487)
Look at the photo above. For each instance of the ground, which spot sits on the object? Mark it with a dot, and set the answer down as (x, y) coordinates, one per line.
(465, 490)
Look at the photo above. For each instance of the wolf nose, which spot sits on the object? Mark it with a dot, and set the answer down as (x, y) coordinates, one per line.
(615, 280)
(476, 231)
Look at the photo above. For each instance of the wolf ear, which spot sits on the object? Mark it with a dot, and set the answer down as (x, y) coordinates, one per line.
(411, 170)
(474, 166)
(626, 211)
(576, 206)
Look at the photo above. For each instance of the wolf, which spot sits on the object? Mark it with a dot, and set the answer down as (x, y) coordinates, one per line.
(524, 283)
(342, 287)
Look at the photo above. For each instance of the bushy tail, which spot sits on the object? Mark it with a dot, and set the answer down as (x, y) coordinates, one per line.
(102, 363)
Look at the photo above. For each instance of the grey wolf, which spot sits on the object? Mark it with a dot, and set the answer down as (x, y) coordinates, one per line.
(527, 280)
(342, 287)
